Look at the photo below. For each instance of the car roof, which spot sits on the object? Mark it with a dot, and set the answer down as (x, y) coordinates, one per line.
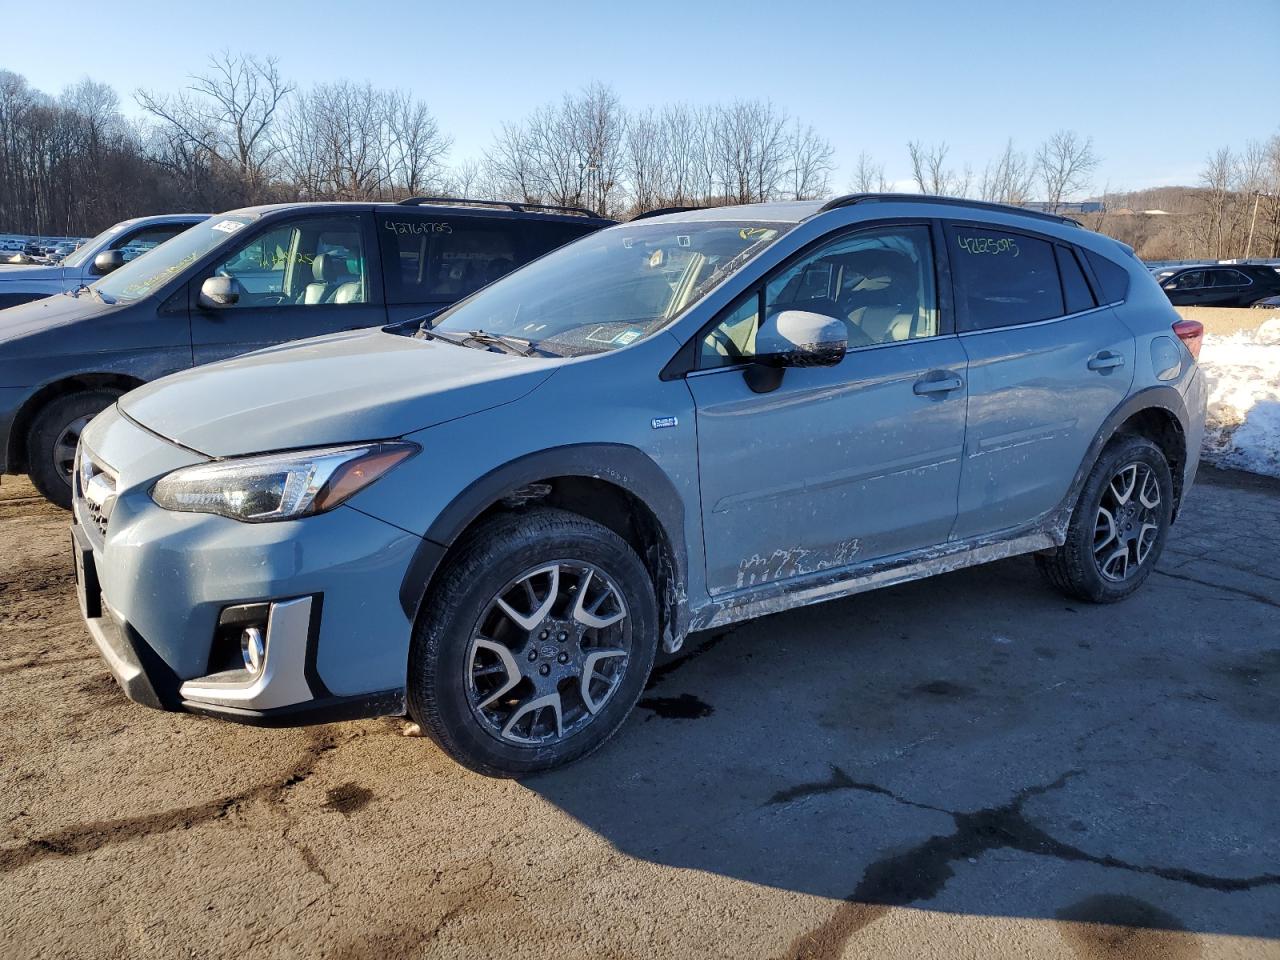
(479, 208)
(796, 211)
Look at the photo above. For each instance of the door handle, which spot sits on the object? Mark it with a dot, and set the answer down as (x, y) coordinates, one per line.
(1105, 361)
(938, 381)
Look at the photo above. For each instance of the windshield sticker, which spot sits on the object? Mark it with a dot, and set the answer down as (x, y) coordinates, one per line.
(754, 233)
(683, 240)
(404, 227)
(628, 336)
(989, 245)
(228, 226)
(601, 335)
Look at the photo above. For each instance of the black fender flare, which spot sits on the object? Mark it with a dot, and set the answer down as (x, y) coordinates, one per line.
(625, 467)
(1159, 397)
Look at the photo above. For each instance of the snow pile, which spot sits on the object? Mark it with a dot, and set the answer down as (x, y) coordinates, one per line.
(1242, 429)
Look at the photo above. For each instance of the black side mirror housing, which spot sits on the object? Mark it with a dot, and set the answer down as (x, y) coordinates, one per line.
(107, 261)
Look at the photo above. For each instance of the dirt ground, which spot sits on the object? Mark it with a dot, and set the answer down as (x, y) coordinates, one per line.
(963, 767)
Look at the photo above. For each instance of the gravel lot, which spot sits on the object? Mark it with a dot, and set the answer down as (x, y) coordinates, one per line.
(962, 767)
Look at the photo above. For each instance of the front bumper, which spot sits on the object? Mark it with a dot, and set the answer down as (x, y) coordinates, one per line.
(155, 587)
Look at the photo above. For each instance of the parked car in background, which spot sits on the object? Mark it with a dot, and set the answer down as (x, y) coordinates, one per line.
(93, 259)
(1220, 285)
(671, 425)
(238, 282)
(63, 250)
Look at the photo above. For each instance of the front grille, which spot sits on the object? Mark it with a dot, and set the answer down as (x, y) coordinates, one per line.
(95, 490)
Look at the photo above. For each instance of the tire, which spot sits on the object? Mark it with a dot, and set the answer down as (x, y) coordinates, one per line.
(57, 424)
(455, 668)
(1085, 567)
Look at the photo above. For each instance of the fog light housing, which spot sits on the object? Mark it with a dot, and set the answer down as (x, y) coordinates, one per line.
(253, 649)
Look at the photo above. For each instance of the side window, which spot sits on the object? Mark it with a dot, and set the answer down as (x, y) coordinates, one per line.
(1191, 280)
(543, 237)
(1075, 289)
(879, 283)
(1229, 278)
(148, 238)
(306, 263)
(441, 259)
(1003, 279)
(1113, 279)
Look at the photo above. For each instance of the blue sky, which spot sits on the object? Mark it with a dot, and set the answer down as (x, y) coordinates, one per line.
(1157, 85)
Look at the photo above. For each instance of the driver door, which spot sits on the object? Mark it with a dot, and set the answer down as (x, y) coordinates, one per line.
(297, 278)
(843, 464)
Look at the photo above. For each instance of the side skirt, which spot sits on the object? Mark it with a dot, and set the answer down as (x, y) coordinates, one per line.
(804, 591)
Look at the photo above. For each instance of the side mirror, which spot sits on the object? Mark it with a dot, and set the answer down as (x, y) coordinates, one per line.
(795, 338)
(217, 292)
(107, 261)
(799, 338)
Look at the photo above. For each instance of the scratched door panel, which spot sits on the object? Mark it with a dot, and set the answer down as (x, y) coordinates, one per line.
(1034, 407)
(837, 466)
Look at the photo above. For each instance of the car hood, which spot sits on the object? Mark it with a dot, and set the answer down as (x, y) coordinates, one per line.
(47, 313)
(30, 271)
(344, 388)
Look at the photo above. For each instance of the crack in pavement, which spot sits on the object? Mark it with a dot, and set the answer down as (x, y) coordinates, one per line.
(1259, 597)
(920, 873)
(89, 837)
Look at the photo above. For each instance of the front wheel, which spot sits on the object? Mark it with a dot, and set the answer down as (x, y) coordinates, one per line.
(533, 645)
(1119, 526)
(52, 440)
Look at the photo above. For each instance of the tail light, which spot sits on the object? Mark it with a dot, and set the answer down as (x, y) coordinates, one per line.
(1190, 332)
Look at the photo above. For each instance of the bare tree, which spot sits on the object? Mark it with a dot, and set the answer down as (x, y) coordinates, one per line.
(1009, 178)
(931, 174)
(228, 114)
(416, 146)
(868, 176)
(1064, 164)
(810, 159)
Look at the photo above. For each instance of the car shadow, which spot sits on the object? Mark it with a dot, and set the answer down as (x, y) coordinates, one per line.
(970, 744)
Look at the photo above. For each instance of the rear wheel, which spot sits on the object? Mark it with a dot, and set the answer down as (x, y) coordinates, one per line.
(1119, 525)
(52, 440)
(534, 643)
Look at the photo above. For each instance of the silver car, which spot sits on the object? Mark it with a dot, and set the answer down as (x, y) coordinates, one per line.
(495, 521)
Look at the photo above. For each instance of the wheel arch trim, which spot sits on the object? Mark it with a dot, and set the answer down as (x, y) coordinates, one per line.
(625, 467)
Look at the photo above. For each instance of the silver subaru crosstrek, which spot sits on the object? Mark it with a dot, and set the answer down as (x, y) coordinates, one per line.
(494, 520)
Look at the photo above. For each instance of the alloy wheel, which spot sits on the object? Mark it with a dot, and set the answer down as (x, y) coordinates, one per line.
(64, 448)
(547, 654)
(1128, 522)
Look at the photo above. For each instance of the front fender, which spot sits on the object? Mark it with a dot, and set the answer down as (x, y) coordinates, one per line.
(622, 466)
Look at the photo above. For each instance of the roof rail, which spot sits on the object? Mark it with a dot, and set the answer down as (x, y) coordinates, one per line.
(504, 204)
(662, 211)
(848, 200)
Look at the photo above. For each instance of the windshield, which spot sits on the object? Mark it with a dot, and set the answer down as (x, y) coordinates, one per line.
(144, 274)
(77, 258)
(613, 287)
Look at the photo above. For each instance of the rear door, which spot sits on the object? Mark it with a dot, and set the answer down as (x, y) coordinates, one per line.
(301, 277)
(1047, 365)
(1227, 288)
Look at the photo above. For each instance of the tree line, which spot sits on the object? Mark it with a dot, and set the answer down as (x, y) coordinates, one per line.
(240, 133)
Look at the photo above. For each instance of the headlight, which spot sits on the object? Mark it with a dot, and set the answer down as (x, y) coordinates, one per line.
(278, 486)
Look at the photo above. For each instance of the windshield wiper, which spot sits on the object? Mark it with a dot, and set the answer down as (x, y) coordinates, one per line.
(515, 345)
(101, 297)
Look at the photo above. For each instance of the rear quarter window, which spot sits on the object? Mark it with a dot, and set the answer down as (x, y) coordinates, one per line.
(1113, 279)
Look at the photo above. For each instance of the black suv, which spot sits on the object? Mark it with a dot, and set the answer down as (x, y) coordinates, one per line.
(241, 281)
(1220, 285)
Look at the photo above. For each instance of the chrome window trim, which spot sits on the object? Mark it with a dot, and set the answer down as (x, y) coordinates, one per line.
(848, 351)
(1041, 323)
